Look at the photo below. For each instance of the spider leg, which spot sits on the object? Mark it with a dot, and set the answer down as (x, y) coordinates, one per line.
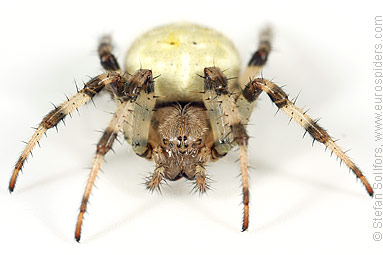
(126, 93)
(254, 67)
(103, 146)
(107, 59)
(259, 58)
(225, 117)
(91, 88)
(136, 130)
(281, 100)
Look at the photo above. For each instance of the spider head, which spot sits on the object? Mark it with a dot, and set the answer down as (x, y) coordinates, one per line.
(183, 134)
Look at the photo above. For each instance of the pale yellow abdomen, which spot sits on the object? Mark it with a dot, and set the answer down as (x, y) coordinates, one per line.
(178, 52)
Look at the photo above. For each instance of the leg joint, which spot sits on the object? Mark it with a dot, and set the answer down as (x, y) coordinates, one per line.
(106, 142)
(240, 134)
(251, 92)
(317, 132)
(53, 118)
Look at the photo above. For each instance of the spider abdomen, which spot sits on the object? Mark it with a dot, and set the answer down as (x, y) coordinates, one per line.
(178, 53)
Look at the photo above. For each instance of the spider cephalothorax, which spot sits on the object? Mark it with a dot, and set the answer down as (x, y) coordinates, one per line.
(182, 131)
(180, 120)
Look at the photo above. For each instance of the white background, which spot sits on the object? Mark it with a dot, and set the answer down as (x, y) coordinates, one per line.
(302, 202)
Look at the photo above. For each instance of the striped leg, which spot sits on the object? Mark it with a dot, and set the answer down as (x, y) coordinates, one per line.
(224, 114)
(127, 92)
(259, 58)
(280, 99)
(103, 146)
(90, 89)
(255, 65)
(108, 60)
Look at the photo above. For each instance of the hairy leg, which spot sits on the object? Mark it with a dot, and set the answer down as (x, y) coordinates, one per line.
(259, 58)
(136, 130)
(255, 65)
(107, 59)
(91, 88)
(126, 92)
(103, 146)
(281, 100)
(223, 114)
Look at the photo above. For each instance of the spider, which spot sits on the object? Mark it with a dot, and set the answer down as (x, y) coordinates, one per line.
(186, 109)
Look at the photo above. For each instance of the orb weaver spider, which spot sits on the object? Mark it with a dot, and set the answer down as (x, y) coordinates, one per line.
(181, 111)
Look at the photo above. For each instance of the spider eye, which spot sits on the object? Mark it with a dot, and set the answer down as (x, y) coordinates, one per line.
(165, 141)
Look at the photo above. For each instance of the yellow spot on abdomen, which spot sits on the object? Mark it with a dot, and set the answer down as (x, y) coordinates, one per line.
(173, 40)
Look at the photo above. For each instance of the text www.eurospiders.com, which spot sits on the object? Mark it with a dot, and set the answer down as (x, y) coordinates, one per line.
(377, 166)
